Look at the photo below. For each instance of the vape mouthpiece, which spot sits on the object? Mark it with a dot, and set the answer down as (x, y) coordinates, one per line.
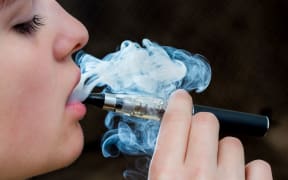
(146, 107)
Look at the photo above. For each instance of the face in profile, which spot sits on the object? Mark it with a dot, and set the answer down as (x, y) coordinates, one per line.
(39, 128)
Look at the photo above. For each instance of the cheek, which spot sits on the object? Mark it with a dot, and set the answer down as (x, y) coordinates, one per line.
(30, 94)
(30, 107)
(40, 98)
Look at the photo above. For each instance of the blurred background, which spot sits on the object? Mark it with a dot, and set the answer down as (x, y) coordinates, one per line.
(244, 41)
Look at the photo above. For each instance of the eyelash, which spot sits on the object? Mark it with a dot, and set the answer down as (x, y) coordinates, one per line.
(29, 27)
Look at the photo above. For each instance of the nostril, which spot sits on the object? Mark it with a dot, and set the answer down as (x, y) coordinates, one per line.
(77, 47)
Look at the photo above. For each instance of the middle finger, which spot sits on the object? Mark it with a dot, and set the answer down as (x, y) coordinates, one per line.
(203, 143)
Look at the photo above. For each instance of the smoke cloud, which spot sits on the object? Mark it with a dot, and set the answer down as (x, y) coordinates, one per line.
(149, 69)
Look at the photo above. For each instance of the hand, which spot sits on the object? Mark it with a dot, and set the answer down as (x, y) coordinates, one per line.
(188, 148)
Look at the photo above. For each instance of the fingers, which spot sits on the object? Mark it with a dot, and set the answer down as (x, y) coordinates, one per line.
(231, 163)
(188, 147)
(258, 169)
(174, 130)
(203, 144)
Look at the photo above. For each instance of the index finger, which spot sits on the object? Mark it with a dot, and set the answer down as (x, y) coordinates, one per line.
(174, 131)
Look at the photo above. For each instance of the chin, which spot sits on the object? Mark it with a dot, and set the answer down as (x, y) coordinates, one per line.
(74, 147)
(67, 152)
(59, 160)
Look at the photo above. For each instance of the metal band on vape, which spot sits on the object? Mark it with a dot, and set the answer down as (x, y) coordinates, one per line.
(110, 102)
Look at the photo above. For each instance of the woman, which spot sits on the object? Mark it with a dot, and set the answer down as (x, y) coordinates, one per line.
(39, 128)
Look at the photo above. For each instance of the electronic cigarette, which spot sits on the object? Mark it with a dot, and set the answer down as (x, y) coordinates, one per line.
(146, 107)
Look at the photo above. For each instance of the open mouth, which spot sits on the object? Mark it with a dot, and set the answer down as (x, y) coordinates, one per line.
(76, 81)
(76, 107)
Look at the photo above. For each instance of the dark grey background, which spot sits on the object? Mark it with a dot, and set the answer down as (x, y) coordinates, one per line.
(244, 41)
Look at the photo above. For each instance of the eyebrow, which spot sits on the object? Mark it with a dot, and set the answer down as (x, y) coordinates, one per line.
(6, 3)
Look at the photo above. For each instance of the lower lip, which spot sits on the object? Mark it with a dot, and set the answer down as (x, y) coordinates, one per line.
(77, 109)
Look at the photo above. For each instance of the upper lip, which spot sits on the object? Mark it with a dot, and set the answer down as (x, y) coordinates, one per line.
(76, 81)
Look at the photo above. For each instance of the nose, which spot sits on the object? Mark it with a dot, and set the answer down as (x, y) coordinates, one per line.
(71, 35)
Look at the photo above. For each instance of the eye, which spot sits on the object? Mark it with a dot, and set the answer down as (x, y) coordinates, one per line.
(30, 26)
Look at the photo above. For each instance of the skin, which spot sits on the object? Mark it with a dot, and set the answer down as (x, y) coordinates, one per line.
(194, 152)
(39, 128)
